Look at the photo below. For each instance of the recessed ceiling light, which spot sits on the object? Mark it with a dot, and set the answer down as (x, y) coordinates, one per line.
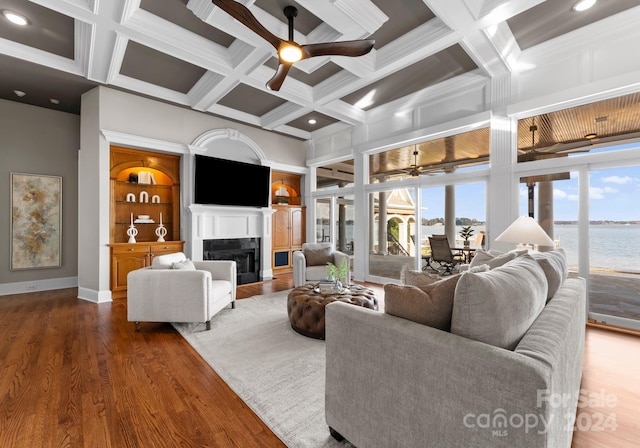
(583, 5)
(312, 121)
(15, 18)
(591, 136)
(54, 101)
(19, 93)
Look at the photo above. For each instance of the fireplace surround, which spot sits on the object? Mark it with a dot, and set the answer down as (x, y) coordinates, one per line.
(244, 251)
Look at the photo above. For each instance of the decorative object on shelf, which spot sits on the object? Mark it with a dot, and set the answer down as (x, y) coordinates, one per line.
(466, 233)
(131, 197)
(161, 231)
(146, 177)
(133, 178)
(155, 199)
(144, 219)
(144, 196)
(132, 231)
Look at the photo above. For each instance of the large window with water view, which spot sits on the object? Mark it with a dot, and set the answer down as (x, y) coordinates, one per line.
(613, 234)
(614, 244)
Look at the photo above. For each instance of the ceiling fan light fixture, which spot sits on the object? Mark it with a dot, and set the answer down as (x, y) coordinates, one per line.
(583, 5)
(290, 53)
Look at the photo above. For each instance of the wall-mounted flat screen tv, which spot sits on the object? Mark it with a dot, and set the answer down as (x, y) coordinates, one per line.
(227, 182)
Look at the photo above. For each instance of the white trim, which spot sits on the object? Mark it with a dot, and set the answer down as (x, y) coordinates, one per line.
(137, 141)
(615, 320)
(38, 285)
(207, 137)
(93, 296)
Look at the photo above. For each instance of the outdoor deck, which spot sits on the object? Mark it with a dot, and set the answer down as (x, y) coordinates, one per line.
(611, 293)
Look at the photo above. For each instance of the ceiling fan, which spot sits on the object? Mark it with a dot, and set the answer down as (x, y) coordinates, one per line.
(415, 171)
(288, 50)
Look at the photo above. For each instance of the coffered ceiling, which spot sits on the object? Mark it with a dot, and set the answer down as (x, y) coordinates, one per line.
(190, 53)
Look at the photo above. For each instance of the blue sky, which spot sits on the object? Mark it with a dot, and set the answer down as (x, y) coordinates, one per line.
(614, 195)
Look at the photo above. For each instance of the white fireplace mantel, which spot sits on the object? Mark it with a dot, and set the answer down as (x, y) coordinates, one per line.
(210, 222)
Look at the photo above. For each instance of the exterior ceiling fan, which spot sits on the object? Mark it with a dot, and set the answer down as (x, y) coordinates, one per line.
(416, 170)
(288, 50)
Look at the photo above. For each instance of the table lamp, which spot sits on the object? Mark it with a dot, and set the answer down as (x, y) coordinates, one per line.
(524, 231)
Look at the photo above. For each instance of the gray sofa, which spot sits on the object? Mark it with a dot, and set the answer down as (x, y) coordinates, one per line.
(392, 382)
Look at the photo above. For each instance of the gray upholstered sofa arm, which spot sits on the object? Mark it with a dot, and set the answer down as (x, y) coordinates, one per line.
(393, 382)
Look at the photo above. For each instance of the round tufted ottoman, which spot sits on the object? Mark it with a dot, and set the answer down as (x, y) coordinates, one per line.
(306, 307)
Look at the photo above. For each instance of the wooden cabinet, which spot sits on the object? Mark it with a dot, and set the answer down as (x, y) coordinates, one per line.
(127, 257)
(288, 221)
(145, 191)
(288, 234)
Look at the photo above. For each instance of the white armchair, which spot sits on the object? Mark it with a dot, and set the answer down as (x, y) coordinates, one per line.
(310, 263)
(174, 289)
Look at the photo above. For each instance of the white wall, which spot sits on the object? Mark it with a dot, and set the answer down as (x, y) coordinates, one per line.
(152, 125)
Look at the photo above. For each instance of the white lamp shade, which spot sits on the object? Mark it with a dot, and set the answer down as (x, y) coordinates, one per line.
(525, 230)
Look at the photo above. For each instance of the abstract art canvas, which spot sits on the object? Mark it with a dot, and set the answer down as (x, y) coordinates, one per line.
(36, 221)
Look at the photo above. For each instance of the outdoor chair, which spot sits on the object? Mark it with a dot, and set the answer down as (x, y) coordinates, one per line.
(442, 259)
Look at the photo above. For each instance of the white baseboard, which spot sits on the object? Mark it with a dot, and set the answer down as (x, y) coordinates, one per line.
(38, 285)
(615, 320)
(91, 295)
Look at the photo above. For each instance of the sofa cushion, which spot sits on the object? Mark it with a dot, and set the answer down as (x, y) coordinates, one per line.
(220, 288)
(409, 276)
(415, 304)
(315, 273)
(165, 261)
(498, 306)
(555, 268)
(494, 258)
(318, 256)
(184, 265)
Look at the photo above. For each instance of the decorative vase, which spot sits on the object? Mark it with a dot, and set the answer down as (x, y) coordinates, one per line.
(466, 243)
(132, 232)
(161, 232)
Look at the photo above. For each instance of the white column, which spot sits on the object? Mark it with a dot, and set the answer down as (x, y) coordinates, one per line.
(545, 208)
(382, 223)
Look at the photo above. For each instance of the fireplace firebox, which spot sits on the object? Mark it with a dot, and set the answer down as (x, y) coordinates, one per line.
(244, 251)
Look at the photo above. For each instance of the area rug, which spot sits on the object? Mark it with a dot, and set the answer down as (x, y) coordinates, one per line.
(278, 373)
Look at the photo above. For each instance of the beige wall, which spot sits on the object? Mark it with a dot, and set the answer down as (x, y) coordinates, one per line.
(35, 140)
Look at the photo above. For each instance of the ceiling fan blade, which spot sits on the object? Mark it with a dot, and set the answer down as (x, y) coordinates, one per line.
(350, 48)
(242, 14)
(276, 82)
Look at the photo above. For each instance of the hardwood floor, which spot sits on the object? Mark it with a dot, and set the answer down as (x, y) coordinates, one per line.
(75, 374)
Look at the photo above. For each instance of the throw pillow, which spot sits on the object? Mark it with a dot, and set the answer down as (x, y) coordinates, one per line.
(165, 261)
(494, 258)
(498, 306)
(555, 268)
(317, 257)
(409, 276)
(414, 304)
(184, 265)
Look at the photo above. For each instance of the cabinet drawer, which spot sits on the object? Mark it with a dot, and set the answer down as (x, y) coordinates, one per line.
(166, 248)
(130, 249)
